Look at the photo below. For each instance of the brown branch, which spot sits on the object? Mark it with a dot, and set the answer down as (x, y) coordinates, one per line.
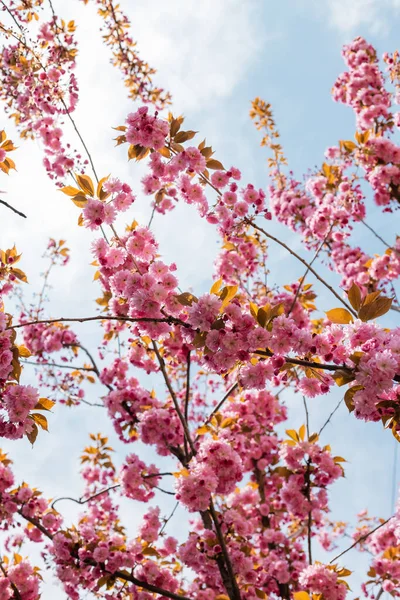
(37, 524)
(220, 403)
(361, 539)
(330, 416)
(84, 501)
(309, 515)
(13, 18)
(120, 574)
(14, 587)
(378, 236)
(182, 419)
(187, 397)
(166, 521)
(304, 262)
(169, 319)
(307, 416)
(305, 363)
(307, 271)
(21, 214)
(73, 367)
(233, 589)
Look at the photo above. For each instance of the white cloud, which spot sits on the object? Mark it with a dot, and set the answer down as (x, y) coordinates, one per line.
(348, 16)
(202, 49)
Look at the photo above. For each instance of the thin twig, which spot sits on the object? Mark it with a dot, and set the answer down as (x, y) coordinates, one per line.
(221, 402)
(330, 416)
(170, 320)
(73, 367)
(307, 271)
(13, 18)
(305, 263)
(307, 416)
(377, 235)
(84, 501)
(166, 521)
(18, 212)
(309, 515)
(360, 539)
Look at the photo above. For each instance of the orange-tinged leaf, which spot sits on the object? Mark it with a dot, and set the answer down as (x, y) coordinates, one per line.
(101, 194)
(184, 136)
(32, 435)
(301, 596)
(186, 299)
(23, 351)
(202, 430)
(339, 315)
(69, 190)
(302, 432)
(292, 433)
(44, 404)
(80, 200)
(19, 275)
(165, 152)
(375, 309)
(215, 165)
(86, 184)
(342, 377)
(348, 145)
(227, 294)
(253, 309)
(40, 420)
(354, 296)
(371, 297)
(262, 317)
(216, 286)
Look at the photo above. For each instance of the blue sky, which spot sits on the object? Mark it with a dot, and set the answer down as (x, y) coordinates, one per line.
(214, 57)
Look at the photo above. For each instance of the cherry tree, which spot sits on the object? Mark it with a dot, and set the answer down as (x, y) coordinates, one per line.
(257, 498)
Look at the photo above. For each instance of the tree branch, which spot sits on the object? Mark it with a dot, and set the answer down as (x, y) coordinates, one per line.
(14, 587)
(21, 214)
(168, 319)
(305, 263)
(60, 366)
(234, 591)
(182, 419)
(120, 574)
(360, 539)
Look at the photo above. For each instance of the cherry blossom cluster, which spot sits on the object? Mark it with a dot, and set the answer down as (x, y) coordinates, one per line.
(40, 88)
(363, 86)
(97, 212)
(215, 469)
